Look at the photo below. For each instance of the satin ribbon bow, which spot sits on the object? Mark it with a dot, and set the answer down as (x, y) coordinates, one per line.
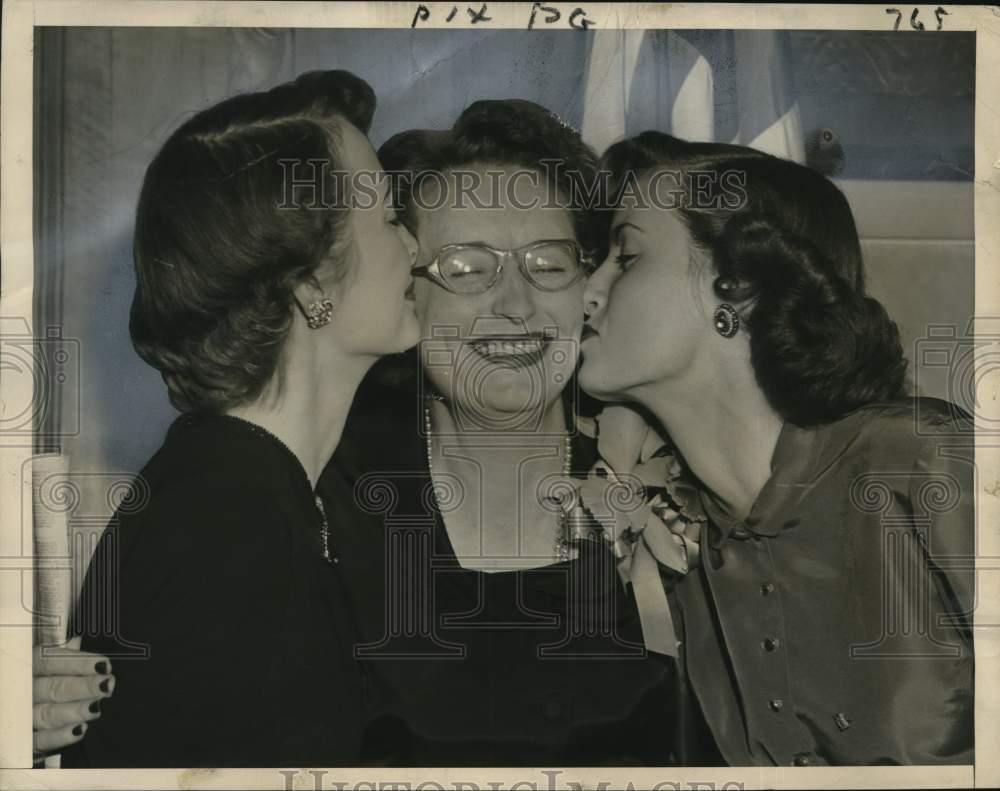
(648, 536)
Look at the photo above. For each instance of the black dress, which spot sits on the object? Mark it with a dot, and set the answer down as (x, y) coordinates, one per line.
(227, 630)
(543, 667)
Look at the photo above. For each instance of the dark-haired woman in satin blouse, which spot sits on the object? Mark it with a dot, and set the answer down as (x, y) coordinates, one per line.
(829, 619)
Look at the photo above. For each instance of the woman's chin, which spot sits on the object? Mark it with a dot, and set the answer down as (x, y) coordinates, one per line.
(505, 406)
(593, 383)
(585, 375)
(409, 331)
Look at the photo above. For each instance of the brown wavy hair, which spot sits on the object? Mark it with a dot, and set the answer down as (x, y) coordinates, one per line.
(219, 248)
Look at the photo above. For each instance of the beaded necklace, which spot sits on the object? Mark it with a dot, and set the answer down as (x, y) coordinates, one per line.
(560, 546)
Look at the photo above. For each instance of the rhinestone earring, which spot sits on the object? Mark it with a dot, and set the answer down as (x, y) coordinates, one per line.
(726, 320)
(318, 313)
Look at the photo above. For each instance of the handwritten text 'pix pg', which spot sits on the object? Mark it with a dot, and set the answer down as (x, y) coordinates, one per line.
(541, 15)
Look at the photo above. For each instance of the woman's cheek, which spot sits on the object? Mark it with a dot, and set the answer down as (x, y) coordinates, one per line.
(570, 313)
(424, 305)
(631, 315)
(616, 297)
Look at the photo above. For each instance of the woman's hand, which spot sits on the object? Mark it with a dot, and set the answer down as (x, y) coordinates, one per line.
(68, 690)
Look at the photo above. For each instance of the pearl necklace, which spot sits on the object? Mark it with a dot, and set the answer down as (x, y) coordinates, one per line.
(561, 549)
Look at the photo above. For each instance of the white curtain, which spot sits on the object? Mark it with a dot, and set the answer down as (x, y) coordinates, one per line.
(719, 85)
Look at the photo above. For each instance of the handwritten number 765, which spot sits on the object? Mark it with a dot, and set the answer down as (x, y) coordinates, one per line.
(915, 23)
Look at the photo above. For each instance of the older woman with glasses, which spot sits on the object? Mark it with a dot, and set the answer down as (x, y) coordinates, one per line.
(496, 640)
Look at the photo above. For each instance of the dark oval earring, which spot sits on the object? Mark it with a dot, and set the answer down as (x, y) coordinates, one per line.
(726, 320)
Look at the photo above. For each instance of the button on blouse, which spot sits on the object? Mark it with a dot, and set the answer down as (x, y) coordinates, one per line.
(787, 604)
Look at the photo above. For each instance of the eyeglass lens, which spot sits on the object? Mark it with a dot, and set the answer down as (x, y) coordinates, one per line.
(472, 269)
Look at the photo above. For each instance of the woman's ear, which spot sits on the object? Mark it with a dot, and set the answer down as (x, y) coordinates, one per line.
(309, 290)
(734, 290)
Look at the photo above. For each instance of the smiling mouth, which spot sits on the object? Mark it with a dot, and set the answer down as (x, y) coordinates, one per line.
(519, 352)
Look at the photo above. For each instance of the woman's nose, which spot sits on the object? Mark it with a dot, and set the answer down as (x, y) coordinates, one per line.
(513, 295)
(595, 294)
(412, 246)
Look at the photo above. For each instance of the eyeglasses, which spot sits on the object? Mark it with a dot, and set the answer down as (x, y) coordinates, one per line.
(473, 268)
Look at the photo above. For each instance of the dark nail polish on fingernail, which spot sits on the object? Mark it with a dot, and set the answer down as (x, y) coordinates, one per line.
(78, 730)
(105, 685)
(102, 668)
(95, 707)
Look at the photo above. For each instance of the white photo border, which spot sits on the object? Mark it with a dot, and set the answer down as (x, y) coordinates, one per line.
(22, 17)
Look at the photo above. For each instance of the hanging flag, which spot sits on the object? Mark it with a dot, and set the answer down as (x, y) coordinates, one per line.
(713, 85)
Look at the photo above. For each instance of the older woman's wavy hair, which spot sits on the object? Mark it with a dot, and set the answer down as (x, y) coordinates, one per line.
(501, 132)
(221, 244)
(789, 254)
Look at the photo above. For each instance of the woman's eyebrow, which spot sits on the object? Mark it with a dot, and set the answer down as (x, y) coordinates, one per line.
(471, 242)
(618, 228)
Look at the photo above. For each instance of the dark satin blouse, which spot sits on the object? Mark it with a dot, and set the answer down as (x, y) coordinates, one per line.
(832, 625)
(227, 630)
(538, 667)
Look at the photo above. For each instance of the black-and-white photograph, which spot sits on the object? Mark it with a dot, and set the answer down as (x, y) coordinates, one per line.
(502, 385)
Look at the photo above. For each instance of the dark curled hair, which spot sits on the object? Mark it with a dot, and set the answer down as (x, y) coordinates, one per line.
(217, 256)
(820, 346)
(502, 133)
